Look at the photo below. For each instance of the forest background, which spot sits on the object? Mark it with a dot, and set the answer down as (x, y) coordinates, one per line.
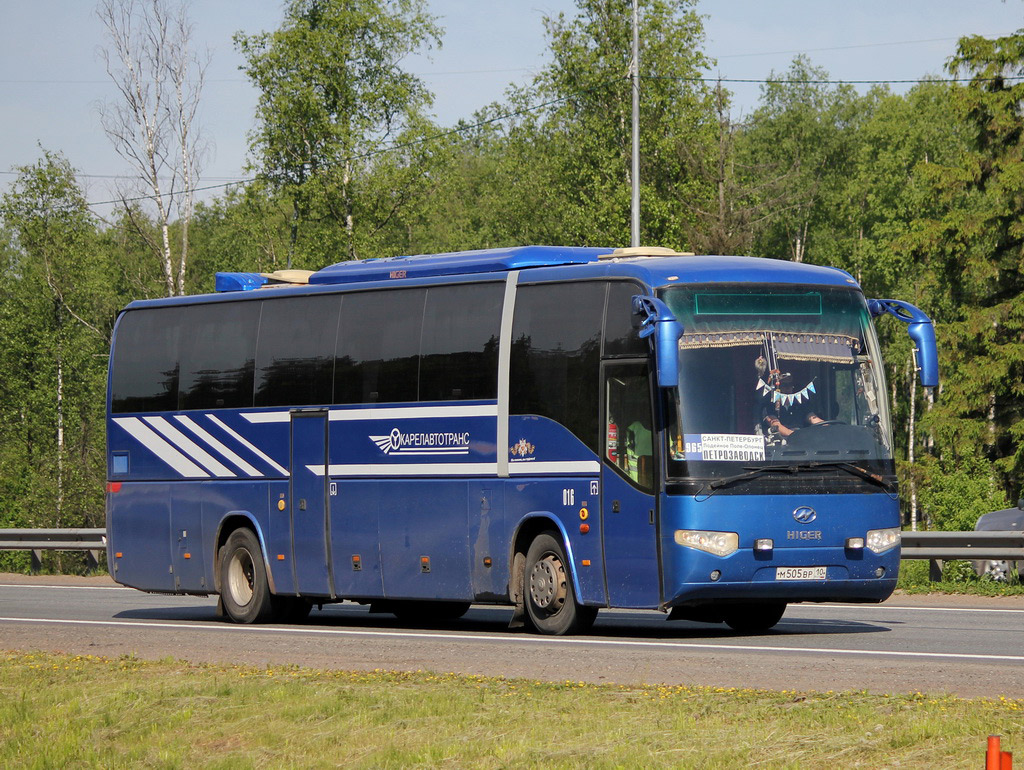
(919, 195)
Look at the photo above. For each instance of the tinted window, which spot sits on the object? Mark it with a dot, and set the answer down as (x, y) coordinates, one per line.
(460, 342)
(145, 361)
(378, 346)
(218, 353)
(295, 354)
(620, 336)
(556, 336)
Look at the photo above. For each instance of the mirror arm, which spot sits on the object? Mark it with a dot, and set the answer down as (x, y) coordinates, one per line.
(921, 331)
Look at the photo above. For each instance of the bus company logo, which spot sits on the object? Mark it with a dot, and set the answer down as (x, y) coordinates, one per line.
(522, 449)
(421, 443)
(805, 514)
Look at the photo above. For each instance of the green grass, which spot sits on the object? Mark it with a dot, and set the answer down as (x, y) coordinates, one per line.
(83, 711)
(958, 577)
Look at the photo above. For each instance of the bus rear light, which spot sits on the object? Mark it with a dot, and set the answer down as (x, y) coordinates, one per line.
(113, 487)
(717, 543)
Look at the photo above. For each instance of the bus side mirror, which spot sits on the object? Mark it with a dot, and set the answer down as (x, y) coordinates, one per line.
(921, 331)
(658, 321)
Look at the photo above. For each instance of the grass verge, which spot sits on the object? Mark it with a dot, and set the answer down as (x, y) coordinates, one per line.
(958, 577)
(83, 711)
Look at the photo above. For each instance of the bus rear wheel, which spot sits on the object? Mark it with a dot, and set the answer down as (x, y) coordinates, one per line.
(753, 618)
(550, 599)
(244, 589)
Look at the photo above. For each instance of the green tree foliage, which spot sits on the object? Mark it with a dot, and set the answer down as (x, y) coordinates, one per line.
(56, 314)
(975, 239)
(585, 135)
(332, 95)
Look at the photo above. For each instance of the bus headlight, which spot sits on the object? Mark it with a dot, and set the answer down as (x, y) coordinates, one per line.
(718, 543)
(879, 540)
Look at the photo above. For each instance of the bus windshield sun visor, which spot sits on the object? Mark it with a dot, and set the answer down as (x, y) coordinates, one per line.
(921, 331)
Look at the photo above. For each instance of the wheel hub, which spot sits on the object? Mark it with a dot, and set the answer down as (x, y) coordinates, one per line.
(547, 584)
(241, 577)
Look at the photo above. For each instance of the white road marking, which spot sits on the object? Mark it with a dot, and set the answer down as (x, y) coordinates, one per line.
(524, 639)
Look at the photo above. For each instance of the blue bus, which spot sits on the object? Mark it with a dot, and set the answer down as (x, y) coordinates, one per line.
(553, 429)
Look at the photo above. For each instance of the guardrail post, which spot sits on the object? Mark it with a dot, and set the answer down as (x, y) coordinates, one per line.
(37, 561)
(935, 570)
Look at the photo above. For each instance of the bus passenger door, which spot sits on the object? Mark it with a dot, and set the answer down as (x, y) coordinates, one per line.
(310, 523)
(628, 472)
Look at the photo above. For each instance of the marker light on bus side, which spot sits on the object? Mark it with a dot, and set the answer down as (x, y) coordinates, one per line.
(718, 543)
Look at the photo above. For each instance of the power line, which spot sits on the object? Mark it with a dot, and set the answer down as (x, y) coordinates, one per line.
(533, 108)
(390, 148)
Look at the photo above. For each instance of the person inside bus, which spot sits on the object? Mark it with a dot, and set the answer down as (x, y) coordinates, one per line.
(639, 451)
(784, 419)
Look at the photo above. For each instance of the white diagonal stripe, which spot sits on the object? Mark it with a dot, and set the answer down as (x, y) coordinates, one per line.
(190, 447)
(247, 444)
(200, 431)
(155, 444)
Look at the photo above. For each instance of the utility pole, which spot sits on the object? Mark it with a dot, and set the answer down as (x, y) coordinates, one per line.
(634, 72)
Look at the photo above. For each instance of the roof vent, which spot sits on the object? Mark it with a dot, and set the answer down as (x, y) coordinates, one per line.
(633, 252)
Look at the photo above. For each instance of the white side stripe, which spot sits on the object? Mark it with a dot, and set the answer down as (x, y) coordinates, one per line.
(385, 413)
(457, 469)
(566, 466)
(248, 444)
(190, 447)
(155, 444)
(409, 469)
(189, 423)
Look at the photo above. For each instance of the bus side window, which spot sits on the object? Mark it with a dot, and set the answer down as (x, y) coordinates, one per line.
(555, 356)
(620, 337)
(295, 351)
(145, 361)
(629, 444)
(378, 354)
(218, 355)
(459, 348)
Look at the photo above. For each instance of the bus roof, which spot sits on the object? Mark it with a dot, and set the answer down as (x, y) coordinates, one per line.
(654, 266)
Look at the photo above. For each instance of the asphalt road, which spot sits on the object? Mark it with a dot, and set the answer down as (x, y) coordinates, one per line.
(968, 646)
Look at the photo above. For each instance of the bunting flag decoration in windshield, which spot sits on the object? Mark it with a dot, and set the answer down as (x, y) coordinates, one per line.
(786, 399)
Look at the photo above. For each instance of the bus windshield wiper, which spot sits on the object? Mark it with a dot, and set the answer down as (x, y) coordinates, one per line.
(752, 472)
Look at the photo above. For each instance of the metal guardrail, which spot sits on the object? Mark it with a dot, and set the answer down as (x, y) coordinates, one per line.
(90, 540)
(938, 547)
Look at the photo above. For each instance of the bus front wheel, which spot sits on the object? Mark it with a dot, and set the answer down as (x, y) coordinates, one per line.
(550, 600)
(243, 579)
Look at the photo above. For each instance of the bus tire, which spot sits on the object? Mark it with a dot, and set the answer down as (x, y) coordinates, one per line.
(548, 593)
(753, 618)
(243, 579)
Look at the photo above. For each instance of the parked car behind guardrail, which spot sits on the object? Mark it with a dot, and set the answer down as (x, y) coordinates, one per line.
(1009, 519)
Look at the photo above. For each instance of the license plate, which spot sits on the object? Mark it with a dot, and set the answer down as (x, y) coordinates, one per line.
(800, 573)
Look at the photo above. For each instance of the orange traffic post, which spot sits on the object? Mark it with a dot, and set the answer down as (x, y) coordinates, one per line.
(992, 756)
(1006, 760)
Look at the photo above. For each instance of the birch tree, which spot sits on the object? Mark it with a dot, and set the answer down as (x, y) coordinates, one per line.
(159, 80)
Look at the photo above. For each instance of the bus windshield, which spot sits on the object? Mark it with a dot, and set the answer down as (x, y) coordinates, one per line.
(773, 375)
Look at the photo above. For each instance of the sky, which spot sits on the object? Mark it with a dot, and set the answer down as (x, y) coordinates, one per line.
(52, 80)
